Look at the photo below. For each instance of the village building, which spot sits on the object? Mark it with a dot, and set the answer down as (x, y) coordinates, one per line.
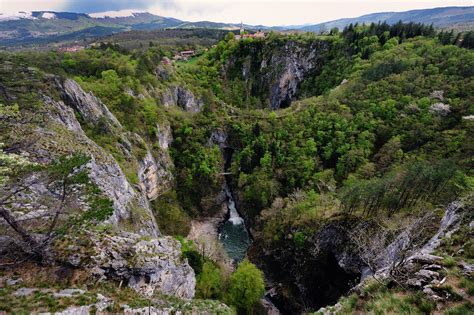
(243, 35)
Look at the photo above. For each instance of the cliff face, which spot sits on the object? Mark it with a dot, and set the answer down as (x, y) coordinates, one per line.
(332, 262)
(181, 97)
(55, 131)
(273, 73)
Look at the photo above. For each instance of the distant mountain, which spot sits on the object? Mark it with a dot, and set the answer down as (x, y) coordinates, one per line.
(447, 17)
(41, 27)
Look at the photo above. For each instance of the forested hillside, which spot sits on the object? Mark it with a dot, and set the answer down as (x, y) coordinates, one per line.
(341, 151)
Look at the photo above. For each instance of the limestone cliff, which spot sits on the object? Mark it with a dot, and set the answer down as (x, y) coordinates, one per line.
(273, 72)
(54, 130)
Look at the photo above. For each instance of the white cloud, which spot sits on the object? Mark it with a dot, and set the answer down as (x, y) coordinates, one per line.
(268, 12)
(285, 12)
(9, 6)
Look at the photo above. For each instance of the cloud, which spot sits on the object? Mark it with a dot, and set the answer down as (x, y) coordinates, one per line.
(7, 6)
(281, 12)
(92, 6)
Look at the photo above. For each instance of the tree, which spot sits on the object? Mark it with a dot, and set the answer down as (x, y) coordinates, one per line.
(19, 179)
(209, 282)
(374, 244)
(246, 286)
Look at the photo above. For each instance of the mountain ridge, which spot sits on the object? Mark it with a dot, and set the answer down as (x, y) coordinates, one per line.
(37, 27)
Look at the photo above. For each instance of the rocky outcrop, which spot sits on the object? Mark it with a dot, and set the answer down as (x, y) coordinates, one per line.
(103, 170)
(91, 109)
(146, 264)
(181, 97)
(278, 84)
(154, 170)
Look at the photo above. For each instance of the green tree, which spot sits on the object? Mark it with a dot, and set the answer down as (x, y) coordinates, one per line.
(210, 282)
(246, 286)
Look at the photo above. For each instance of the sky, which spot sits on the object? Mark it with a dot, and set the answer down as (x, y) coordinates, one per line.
(266, 12)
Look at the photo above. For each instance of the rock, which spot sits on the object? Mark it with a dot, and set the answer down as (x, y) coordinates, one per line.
(12, 282)
(147, 264)
(432, 267)
(432, 294)
(427, 275)
(152, 310)
(218, 137)
(104, 171)
(449, 224)
(426, 259)
(90, 107)
(468, 117)
(269, 308)
(155, 178)
(163, 71)
(279, 84)
(466, 269)
(186, 100)
(24, 291)
(155, 170)
(415, 283)
(181, 97)
(440, 108)
(68, 293)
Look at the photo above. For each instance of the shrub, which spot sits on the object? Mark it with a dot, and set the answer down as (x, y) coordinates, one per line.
(246, 286)
(210, 282)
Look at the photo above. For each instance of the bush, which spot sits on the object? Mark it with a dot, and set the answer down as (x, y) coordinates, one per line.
(171, 218)
(210, 282)
(246, 286)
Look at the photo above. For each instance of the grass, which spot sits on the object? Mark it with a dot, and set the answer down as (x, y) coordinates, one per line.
(467, 284)
(463, 309)
(448, 262)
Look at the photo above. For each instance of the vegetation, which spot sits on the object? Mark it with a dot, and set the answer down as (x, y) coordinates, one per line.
(246, 286)
(380, 133)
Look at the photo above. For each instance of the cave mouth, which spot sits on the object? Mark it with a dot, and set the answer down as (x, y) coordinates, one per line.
(329, 283)
(315, 284)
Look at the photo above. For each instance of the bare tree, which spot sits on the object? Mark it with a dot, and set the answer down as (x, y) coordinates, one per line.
(33, 198)
(382, 248)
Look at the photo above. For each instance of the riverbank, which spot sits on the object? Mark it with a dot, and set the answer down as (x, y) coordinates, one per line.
(205, 234)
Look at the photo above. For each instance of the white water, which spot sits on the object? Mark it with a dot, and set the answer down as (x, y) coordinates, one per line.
(234, 235)
(234, 216)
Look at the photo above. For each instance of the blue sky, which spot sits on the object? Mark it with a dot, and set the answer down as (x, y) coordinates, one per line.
(268, 12)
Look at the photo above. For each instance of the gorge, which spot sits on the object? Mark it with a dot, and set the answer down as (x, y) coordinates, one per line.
(286, 173)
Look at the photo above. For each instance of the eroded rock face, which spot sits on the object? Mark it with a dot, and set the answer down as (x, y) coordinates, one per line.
(183, 98)
(105, 172)
(154, 171)
(278, 84)
(89, 107)
(147, 264)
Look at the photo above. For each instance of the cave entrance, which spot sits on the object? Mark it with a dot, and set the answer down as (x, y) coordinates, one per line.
(316, 283)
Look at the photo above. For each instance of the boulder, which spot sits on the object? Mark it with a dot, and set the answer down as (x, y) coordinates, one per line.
(146, 264)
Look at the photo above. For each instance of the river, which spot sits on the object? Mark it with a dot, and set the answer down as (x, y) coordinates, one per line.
(233, 234)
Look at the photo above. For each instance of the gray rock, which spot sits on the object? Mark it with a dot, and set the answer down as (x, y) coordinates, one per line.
(68, 293)
(432, 294)
(11, 282)
(427, 275)
(181, 97)
(432, 267)
(103, 169)
(90, 107)
(24, 291)
(147, 264)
